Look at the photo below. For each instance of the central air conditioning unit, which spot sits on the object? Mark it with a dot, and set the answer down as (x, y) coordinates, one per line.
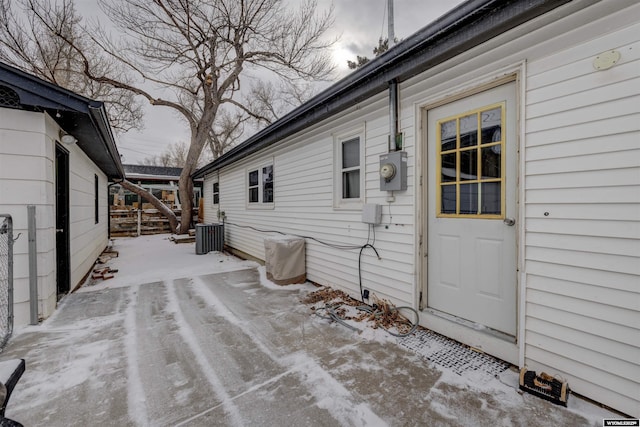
(209, 238)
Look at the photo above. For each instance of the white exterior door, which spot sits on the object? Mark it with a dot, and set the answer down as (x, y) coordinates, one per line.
(471, 186)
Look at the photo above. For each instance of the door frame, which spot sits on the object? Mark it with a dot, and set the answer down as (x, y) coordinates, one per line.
(63, 251)
(495, 343)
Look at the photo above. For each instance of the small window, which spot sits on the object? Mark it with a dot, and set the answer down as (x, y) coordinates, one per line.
(97, 216)
(349, 170)
(254, 188)
(216, 193)
(267, 184)
(260, 185)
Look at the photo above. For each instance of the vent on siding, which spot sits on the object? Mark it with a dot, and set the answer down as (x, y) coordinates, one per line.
(9, 97)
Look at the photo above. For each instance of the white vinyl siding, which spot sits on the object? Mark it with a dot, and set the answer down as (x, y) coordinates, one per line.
(87, 238)
(27, 177)
(582, 166)
(583, 218)
(211, 209)
(304, 205)
(580, 163)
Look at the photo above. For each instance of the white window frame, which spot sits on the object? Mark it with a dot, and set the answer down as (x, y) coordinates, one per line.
(260, 204)
(338, 139)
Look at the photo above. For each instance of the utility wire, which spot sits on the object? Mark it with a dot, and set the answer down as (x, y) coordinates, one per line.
(332, 314)
(332, 245)
(368, 244)
(362, 248)
(134, 150)
(331, 310)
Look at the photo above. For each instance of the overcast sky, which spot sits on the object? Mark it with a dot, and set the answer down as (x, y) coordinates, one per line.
(358, 24)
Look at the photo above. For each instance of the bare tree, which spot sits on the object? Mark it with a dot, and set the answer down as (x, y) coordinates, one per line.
(30, 45)
(227, 129)
(180, 54)
(163, 159)
(268, 101)
(173, 156)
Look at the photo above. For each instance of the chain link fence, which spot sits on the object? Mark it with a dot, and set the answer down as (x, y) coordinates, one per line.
(6, 278)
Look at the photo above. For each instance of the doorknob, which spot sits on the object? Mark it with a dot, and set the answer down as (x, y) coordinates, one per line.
(59, 230)
(510, 221)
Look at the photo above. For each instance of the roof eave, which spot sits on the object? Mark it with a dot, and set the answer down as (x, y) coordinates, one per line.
(66, 108)
(99, 116)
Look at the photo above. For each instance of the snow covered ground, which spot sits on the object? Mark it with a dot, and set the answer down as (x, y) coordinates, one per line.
(183, 339)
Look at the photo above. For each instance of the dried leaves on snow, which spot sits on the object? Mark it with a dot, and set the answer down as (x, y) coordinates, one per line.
(383, 314)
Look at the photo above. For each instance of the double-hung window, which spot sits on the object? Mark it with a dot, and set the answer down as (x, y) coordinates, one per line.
(351, 168)
(216, 193)
(349, 176)
(260, 186)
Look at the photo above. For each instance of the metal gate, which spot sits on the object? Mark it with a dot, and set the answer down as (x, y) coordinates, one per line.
(6, 278)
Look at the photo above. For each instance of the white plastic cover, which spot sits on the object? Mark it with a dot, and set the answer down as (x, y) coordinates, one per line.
(285, 259)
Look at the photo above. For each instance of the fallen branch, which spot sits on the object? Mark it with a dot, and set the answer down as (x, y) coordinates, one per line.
(162, 208)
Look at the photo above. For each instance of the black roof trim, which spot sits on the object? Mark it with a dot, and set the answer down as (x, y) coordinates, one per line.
(164, 171)
(470, 24)
(81, 117)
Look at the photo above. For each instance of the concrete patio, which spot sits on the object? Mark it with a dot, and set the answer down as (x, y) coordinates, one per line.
(179, 339)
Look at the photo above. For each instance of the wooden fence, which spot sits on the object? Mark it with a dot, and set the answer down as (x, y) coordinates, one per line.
(136, 222)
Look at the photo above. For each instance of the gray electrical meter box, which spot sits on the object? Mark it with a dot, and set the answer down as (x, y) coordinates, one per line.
(393, 171)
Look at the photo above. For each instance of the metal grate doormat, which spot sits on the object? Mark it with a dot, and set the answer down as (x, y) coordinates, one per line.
(450, 354)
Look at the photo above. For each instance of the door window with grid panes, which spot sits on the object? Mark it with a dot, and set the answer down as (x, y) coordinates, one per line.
(470, 156)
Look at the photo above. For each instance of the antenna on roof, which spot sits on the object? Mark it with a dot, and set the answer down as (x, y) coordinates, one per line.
(392, 36)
